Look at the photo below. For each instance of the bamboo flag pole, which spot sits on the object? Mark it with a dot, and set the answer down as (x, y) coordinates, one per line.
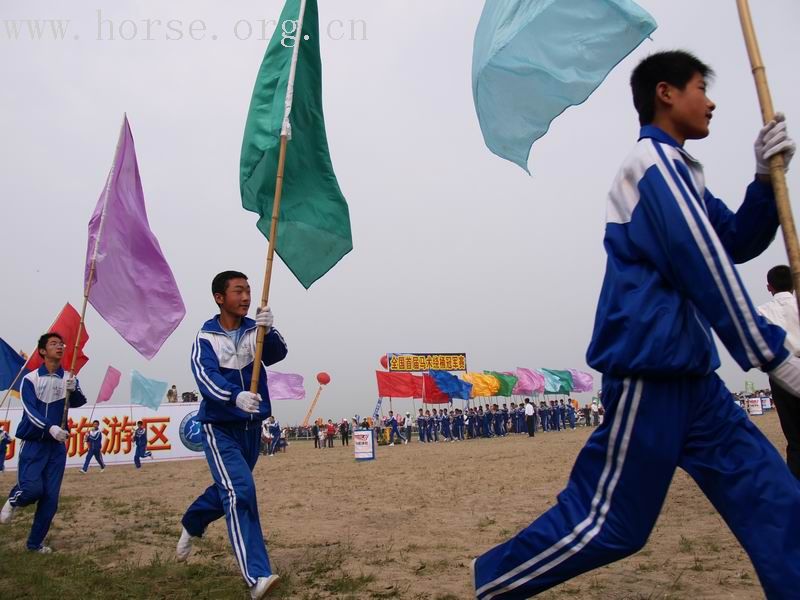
(88, 287)
(276, 205)
(776, 163)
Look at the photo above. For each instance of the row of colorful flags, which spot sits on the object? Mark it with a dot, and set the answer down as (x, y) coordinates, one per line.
(441, 386)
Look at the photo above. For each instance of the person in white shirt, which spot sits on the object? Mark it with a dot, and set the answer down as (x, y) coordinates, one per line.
(530, 417)
(782, 311)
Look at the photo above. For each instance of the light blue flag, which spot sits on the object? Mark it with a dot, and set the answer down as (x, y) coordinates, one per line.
(534, 58)
(147, 392)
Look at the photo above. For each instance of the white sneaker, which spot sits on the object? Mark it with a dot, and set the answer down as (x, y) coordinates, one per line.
(44, 550)
(184, 548)
(392, 444)
(82, 471)
(262, 586)
(7, 512)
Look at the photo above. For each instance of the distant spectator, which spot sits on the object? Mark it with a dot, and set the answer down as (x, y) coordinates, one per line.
(172, 394)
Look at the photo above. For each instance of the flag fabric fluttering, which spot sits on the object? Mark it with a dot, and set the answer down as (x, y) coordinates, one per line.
(581, 381)
(66, 325)
(530, 381)
(532, 59)
(314, 223)
(285, 386)
(556, 381)
(507, 382)
(147, 392)
(483, 385)
(10, 364)
(425, 388)
(110, 383)
(395, 385)
(452, 385)
(133, 287)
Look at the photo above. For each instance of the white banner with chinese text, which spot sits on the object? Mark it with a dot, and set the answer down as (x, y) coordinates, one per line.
(173, 433)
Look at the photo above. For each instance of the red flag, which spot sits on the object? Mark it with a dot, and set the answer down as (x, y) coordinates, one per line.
(66, 325)
(425, 387)
(395, 385)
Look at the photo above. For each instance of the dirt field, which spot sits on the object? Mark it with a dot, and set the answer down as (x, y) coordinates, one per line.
(403, 526)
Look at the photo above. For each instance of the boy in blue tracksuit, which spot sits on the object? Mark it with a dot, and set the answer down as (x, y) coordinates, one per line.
(275, 434)
(43, 456)
(394, 430)
(94, 440)
(670, 279)
(222, 361)
(140, 445)
(422, 426)
(5, 440)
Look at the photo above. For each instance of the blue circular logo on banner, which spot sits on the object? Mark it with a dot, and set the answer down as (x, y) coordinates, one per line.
(191, 434)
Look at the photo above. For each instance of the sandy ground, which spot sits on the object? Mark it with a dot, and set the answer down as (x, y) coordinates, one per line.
(407, 524)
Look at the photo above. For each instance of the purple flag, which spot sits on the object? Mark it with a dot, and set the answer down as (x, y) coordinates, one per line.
(110, 383)
(581, 381)
(285, 386)
(133, 288)
(529, 381)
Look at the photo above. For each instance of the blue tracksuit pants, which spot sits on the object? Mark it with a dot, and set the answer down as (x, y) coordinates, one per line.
(40, 471)
(620, 479)
(232, 452)
(139, 454)
(94, 454)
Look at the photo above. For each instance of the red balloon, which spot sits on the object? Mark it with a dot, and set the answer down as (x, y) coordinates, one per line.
(384, 362)
(323, 378)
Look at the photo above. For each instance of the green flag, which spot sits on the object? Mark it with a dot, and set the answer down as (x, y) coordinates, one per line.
(556, 381)
(507, 382)
(314, 224)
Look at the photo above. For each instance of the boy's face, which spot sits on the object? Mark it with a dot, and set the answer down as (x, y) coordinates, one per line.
(53, 350)
(691, 108)
(236, 299)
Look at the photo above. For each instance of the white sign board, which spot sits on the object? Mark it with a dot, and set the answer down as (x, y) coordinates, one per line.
(754, 407)
(173, 432)
(364, 444)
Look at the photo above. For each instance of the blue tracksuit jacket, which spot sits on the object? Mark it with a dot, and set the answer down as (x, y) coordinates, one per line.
(222, 370)
(670, 277)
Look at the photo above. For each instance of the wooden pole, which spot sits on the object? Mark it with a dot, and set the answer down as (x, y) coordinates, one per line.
(776, 163)
(273, 235)
(312, 407)
(77, 344)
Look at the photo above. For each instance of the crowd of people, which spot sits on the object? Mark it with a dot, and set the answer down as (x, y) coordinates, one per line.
(491, 420)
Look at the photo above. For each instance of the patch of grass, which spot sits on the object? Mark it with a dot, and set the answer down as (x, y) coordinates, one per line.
(485, 522)
(53, 575)
(713, 546)
(698, 565)
(348, 584)
(646, 567)
(685, 545)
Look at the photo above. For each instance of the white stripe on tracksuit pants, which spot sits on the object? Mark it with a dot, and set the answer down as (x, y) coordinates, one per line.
(621, 477)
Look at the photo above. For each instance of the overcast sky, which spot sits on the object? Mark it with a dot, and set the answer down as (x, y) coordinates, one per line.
(455, 250)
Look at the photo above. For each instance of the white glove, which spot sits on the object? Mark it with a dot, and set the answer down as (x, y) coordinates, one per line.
(59, 434)
(773, 139)
(72, 384)
(248, 402)
(264, 317)
(787, 374)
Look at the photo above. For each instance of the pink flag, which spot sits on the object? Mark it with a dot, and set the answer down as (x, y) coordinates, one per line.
(110, 383)
(285, 386)
(133, 288)
(529, 381)
(581, 381)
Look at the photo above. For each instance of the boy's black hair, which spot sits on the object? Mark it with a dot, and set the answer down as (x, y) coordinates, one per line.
(220, 282)
(95, 422)
(780, 278)
(675, 67)
(43, 339)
